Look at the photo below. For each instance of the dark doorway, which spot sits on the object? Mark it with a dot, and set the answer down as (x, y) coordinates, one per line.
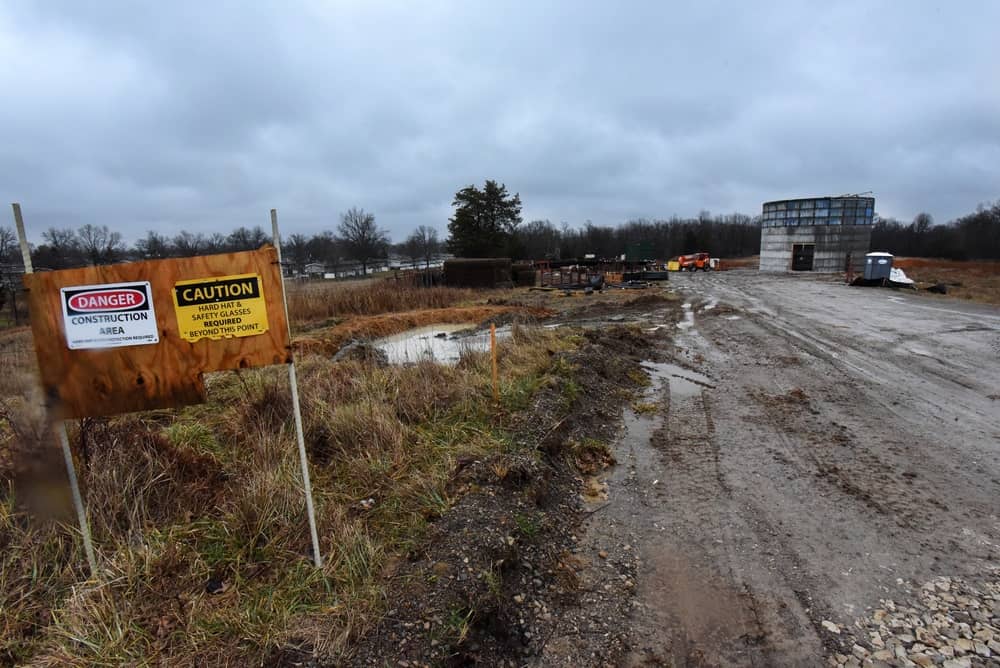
(802, 257)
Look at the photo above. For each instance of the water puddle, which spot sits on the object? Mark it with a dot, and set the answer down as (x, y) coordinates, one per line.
(683, 382)
(442, 343)
(688, 321)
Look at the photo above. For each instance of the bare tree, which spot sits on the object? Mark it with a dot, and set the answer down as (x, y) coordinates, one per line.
(99, 244)
(410, 249)
(60, 249)
(215, 243)
(187, 244)
(422, 244)
(10, 270)
(297, 251)
(243, 239)
(8, 245)
(153, 246)
(923, 222)
(362, 238)
(326, 248)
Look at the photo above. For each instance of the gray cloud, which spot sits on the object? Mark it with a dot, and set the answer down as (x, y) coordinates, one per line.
(204, 115)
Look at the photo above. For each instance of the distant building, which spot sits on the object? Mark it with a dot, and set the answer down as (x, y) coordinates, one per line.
(314, 270)
(816, 234)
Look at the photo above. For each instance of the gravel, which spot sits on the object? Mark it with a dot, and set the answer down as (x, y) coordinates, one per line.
(948, 621)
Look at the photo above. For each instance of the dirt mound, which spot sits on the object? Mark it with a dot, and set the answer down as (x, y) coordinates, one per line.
(647, 301)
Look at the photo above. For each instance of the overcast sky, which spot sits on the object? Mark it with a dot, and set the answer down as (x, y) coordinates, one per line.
(204, 115)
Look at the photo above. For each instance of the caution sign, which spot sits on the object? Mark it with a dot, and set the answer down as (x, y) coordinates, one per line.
(219, 308)
(110, 315)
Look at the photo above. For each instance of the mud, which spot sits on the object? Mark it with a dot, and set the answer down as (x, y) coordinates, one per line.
(842, 443)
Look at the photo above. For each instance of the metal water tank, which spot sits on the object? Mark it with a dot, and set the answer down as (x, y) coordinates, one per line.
(878, 266)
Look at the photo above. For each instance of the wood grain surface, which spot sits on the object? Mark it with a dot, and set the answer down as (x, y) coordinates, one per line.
(80, 383)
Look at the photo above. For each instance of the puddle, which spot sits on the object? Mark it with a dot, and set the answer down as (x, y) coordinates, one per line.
(442, 343)
(688, 321)
(683, 382)
(712, 303)
(732, 317)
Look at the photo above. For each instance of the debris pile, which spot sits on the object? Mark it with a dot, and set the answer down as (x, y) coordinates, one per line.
(952, 623)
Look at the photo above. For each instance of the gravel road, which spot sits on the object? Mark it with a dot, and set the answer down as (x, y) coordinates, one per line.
(819, 449)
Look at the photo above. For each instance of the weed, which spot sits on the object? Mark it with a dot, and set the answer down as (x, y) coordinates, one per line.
(458, 623)
(494, 581)
(527, 525)
(639, 377)
(516, 395)
(570, 391)
(434, 503)
(646, 407)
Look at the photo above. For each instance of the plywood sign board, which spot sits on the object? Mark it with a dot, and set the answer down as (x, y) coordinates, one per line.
(137, 336)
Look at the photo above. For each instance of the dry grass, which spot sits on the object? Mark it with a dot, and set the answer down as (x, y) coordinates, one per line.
(977, 281)
(752, 262)
(316, 302)
(211, 495)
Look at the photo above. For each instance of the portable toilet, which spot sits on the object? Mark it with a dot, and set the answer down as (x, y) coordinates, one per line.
(878, 266)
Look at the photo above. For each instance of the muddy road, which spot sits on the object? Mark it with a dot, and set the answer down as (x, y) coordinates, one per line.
(816, 449)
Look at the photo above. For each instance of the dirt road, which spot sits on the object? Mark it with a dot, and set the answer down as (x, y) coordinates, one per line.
(835, 446)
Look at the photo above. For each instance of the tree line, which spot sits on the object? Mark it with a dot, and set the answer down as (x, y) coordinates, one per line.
(358, 240)
(487, 223)
(732, 235)
(975, 236)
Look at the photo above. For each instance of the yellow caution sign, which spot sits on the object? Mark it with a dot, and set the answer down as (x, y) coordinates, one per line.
(220, 308)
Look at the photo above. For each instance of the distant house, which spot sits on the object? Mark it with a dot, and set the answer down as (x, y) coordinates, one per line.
(314, 270)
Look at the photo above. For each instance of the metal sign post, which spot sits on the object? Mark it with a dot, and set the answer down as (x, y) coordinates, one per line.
(296, 408)
(493, 355)
(60, 428)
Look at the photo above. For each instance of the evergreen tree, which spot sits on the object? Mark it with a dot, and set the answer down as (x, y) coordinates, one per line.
(484, 221)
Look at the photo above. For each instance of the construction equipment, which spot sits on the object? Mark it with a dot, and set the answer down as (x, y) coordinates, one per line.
(694, 262)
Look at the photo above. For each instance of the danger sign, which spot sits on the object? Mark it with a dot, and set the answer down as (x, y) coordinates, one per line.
(218, 308)
(108, 316)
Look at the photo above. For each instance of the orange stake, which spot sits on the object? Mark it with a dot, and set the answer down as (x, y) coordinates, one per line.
(493, 353)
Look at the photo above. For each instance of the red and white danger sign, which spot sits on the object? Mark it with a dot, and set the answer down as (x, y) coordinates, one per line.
(109, 315)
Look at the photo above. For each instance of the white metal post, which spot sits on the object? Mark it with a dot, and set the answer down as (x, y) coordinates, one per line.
(60, 428)
(81, 513)
(296, 408)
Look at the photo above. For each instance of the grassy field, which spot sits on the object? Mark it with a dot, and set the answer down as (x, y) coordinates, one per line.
(198, 513)
(977, 281)
(314, 302)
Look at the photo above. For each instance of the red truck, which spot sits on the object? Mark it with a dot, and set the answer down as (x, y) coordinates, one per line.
(694, 262)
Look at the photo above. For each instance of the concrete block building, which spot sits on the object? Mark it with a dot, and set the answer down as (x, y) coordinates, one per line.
(816, 233)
